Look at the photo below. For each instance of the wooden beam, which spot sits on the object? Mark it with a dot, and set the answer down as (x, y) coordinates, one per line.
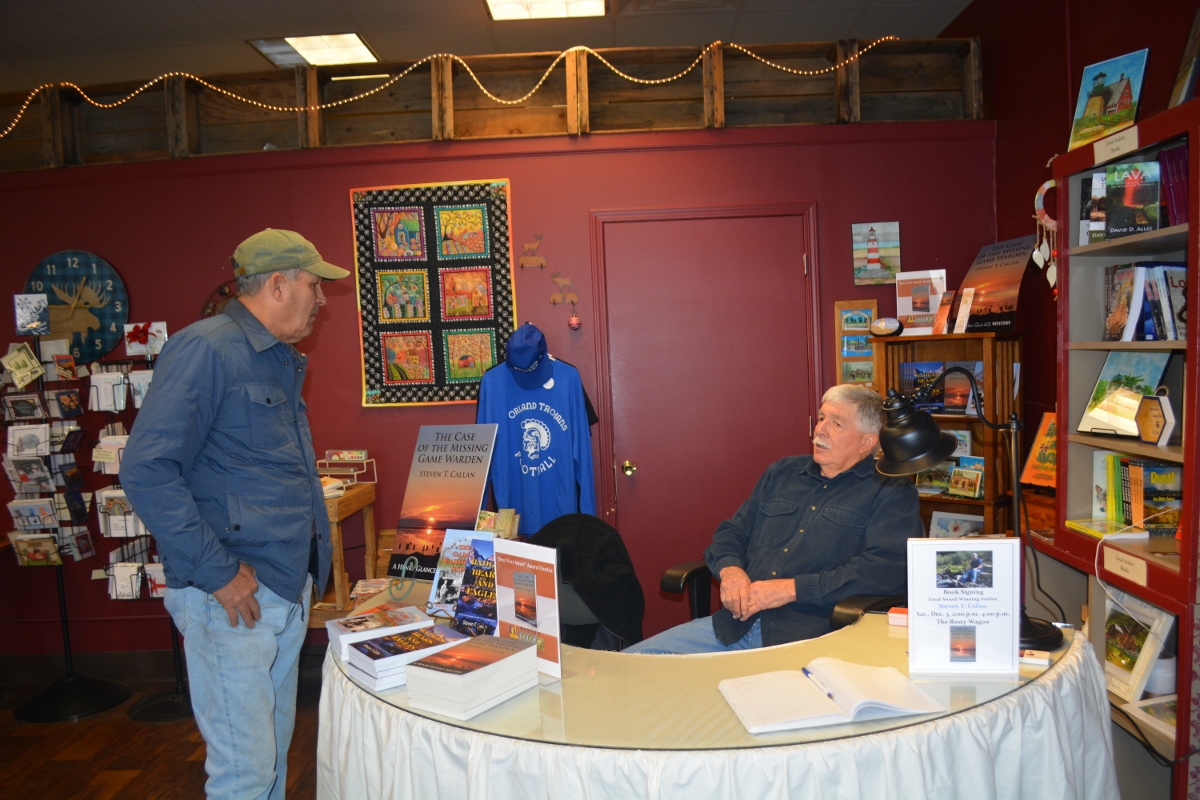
(578, 120)
(308, 97)
(441, 78)
(714, 87)
(183, 130)
(973, 81)
(50, 100)
(849, 107)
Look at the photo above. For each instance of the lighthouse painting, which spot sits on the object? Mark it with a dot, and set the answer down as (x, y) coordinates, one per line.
(876, 252)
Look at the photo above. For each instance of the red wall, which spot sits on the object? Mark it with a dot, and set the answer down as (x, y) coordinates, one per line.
(169, 228)
(1034, 54)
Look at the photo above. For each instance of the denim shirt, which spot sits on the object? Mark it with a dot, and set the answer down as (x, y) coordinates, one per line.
(835, 537)
(220, 463)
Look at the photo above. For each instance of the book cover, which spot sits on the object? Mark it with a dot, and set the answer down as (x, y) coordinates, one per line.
(935, 480)
(1132, 191)
(383, 620)
(1099, 527)
(475, 611)
(941, 323)
(1042, 460)
(457, 549)
(415, 553)
(958, 398)
(1122, 316)
(966, 483)
(1126, 376)
(398, 649)
(964, 443)
(1158, 499)
(918, 375)
(918, 295)
(1101, 504)
(995, 278)
(527, 599)
(828, 691)
(1094, 211)
(1158, 305)
(471, 656)
(1176, 279)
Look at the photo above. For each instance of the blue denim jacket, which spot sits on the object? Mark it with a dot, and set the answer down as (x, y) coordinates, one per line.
(220, 463)
(835, 537)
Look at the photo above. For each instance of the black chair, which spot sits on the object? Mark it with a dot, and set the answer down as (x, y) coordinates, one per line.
(600, 599)
(695, 579)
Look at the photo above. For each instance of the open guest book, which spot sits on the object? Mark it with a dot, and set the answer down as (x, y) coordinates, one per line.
(828, 692)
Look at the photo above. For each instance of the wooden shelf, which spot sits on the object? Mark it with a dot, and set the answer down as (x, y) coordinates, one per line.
(1167, 344)
(1171, 452)
(1150, 243)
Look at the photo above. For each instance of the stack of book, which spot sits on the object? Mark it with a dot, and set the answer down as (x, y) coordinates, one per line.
(383, 620)
(471, 677)
(1173, 164)
(381, 662)
(1145, 301)
(1134, 495)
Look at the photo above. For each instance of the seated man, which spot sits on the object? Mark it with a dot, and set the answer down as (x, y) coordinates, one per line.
(817, 529)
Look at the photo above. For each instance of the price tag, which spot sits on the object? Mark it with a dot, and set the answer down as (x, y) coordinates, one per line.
(102, 455)
(1129, 567)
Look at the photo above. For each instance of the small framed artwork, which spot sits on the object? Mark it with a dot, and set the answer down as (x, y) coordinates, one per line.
(1134, 632)
(403, 295)
(876, 247)
(398, 233)
(1108, 98)
(1155, 713)
(966, 482)
(855, 350)
(945, 525)
(407, 358)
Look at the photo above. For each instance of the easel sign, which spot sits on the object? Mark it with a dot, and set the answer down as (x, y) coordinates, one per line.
(854, 350)
(964, 608)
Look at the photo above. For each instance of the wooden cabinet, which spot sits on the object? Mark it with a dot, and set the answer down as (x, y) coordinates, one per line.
(998, 353)
(1167, 581)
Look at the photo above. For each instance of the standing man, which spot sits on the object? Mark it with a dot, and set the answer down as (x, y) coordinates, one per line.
(816, 530)
(220, 466)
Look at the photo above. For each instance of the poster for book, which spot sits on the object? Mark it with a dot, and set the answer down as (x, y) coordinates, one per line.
(995, 278)
(963, 606)
(433, 268)
(918, 295)
(527, 599)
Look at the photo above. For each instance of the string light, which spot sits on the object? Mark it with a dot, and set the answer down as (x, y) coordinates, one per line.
(394, 78)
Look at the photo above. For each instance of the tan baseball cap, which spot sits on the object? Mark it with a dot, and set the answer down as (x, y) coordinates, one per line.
(276, 250)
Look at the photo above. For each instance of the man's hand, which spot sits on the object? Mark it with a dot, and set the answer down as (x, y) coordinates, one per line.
(735, 591)
(771, 594)
(237, 596)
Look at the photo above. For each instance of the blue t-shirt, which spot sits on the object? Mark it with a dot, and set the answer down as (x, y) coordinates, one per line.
(542, 462)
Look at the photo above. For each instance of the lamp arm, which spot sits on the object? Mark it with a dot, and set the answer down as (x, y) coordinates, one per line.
(923, 393)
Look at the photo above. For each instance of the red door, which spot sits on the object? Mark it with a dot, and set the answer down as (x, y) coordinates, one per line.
(712, 348)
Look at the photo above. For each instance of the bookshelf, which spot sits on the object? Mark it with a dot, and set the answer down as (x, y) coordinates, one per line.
(1167, 581)
(998, 352)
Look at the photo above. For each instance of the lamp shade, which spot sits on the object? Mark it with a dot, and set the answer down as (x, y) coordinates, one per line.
(911, 441)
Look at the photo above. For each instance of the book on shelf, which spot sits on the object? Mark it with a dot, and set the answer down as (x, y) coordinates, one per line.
(957, 396)
(1175, 278)
(1173, 172)
(941, 322)
(1133, 198)
(1126, 377)
(1155, 493)
(966, 483)
(1102, 493)
(916, 375)
(935, 480)
(964, 443)
(918, 295)
(1042, 460)
(828, 691)
(1092, 217)
(1100, 527)
(382, 653)
(473, 676)
(383, 620)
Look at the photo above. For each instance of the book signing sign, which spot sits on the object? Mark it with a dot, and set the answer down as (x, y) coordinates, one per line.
(435, 288)
(963, 606)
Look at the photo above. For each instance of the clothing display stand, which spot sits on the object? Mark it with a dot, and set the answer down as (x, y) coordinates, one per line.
(73, 695)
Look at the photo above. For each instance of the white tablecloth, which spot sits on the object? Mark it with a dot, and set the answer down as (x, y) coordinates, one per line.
(1047, 739)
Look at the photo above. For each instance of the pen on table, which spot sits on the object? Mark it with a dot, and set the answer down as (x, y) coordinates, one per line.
(813, 678)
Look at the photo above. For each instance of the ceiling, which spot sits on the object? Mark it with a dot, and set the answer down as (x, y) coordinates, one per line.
(95, 42)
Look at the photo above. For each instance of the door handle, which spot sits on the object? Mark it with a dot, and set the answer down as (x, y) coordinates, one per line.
(629, 468)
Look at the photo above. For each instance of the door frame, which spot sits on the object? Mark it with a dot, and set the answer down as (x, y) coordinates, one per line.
(607, 506)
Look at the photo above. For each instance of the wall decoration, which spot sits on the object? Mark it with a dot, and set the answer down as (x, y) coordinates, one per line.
(876, 252)
(434, 276)
(529, 257)
(88, 304)
(1108, 98)
(854, 349)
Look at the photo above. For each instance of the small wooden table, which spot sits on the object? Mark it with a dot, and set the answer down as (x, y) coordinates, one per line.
(358, 497)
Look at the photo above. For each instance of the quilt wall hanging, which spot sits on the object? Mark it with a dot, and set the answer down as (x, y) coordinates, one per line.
(435, 288)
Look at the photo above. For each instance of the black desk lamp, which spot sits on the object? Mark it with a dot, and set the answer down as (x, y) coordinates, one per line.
(912, 442)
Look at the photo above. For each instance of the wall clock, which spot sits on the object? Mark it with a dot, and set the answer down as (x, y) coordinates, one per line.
(218, 298)
(87, 302)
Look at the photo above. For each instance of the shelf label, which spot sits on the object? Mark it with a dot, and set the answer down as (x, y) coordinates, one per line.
(1131, 568)
(1115, 146)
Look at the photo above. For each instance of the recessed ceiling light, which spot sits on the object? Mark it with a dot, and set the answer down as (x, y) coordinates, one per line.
(292, 51)
(544, 9)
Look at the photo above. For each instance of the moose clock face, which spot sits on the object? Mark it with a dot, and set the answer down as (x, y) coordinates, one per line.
(87, 302)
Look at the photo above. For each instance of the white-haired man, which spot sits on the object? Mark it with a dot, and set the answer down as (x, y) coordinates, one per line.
(817, 529)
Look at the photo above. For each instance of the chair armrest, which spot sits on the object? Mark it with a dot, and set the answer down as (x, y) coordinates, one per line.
(851, 610)
(695, 578)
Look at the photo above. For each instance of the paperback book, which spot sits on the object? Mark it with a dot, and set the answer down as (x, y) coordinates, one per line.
(475, 610)
(527, 600)
(1127, 376)
(383, 620)
(828, 691)
(918, 375)
(1132, 192)
(458, 548)
(383, 653)
(469, 678)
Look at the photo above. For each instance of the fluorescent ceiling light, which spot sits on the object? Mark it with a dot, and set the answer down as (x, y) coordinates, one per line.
(292, 51)
(544, 9)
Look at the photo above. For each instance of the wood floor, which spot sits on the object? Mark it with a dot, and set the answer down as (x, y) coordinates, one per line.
(108, 755)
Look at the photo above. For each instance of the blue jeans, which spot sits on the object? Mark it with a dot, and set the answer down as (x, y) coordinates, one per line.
(696, 636)
(243, 687)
